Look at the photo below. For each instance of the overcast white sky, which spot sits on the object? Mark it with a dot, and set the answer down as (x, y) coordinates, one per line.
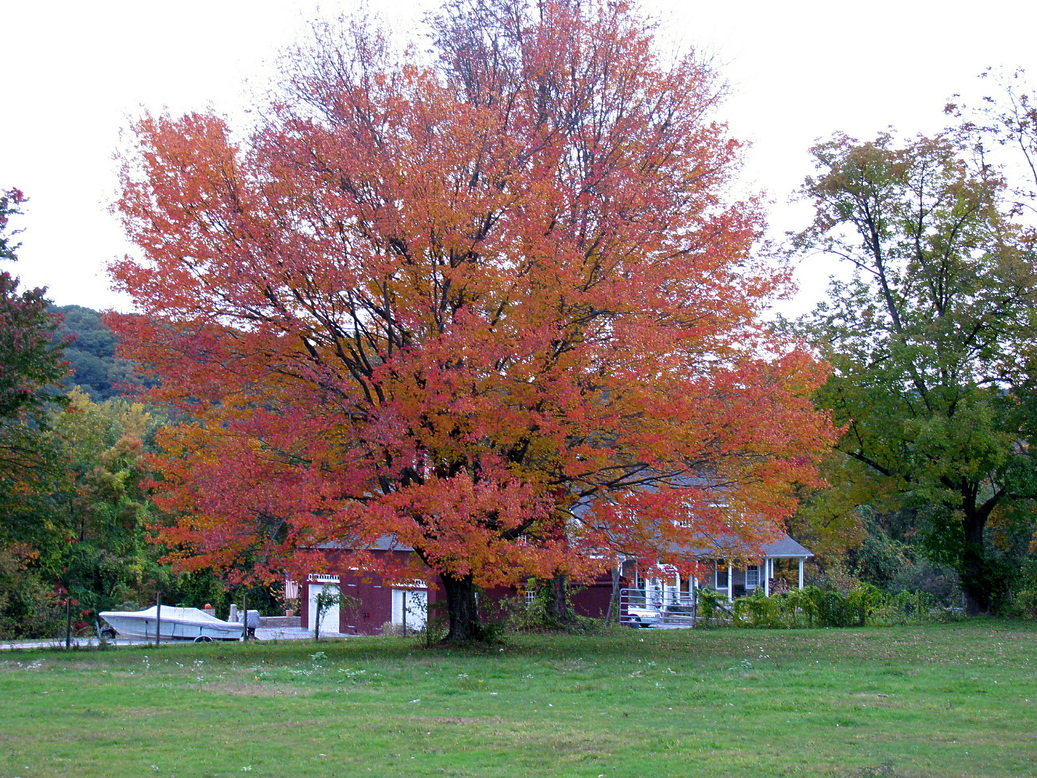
(799, 70)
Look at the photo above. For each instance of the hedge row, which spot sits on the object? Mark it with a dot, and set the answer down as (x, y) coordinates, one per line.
(814, 607)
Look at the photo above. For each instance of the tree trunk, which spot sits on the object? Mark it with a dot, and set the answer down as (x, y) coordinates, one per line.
(613, 614)
(462, 610)
(559, 609)
(982, 580)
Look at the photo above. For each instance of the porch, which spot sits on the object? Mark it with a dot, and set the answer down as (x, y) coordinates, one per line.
(670, 599)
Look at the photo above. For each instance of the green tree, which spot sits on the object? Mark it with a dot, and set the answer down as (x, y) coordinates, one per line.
(90, 352)
(31, 370)
(86, 532)
(931, 341)
(31, 364)
(105, 507)
(1002, 131)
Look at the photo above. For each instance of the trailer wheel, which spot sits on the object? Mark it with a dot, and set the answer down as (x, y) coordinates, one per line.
(203, 639)
(108, 633)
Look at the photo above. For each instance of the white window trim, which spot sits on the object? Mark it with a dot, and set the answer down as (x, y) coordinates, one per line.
(754, 569)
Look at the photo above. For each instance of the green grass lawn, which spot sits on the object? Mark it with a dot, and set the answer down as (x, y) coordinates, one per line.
(954, 699)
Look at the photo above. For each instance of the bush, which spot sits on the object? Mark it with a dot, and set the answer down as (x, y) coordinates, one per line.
(940, 582)
(863, 605)
(29, 608)
(908, 608)
(830, 608)
(712, 606)
(1022, 605)
(535, 615)
(756, 610)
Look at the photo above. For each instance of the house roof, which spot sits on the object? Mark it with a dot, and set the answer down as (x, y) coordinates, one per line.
(716, 546)
(383, 543)
(719, 546)
(785, 548)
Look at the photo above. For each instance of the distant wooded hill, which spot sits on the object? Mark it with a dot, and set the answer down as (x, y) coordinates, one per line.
(96, 368)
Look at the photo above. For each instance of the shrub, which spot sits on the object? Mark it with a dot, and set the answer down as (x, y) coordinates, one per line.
(536, 615)
(938, 581)
(29, 608)
(757, 610)
(1023, 605)
(712, 606)
(863, 605)
(907, 608)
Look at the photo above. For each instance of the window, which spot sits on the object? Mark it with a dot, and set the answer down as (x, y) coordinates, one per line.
(722, 575)
(752, 577)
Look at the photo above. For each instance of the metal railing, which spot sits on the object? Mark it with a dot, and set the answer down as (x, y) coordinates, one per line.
(656, 608)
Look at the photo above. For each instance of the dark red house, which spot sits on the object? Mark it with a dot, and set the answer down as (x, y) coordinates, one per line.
(367, 602)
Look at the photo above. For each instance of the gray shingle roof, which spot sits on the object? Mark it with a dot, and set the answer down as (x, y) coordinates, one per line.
(785, 548)
(719, 546)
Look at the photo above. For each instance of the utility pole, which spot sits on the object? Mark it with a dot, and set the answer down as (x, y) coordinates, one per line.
(158, 617)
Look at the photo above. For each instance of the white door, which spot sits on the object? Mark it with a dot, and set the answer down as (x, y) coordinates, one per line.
(329, 622)
(410, 607)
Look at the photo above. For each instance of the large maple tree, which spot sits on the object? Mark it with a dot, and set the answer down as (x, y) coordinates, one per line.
(489, 298)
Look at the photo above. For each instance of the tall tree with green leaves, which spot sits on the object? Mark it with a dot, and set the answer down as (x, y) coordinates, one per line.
(31, 369)
(104, 508)
(31, 364)
(931, 340)
(1001, 130)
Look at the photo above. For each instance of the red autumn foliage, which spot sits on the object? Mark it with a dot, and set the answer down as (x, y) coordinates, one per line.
(494, 304)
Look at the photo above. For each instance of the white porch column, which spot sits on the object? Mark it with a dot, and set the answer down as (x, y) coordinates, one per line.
(767, 576)
(801, 573)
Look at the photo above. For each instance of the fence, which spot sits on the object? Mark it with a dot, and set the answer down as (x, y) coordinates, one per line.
(656, 608)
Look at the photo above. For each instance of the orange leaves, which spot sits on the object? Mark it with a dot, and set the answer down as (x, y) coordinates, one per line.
(470, 526)
(459, 301)
(247, 489)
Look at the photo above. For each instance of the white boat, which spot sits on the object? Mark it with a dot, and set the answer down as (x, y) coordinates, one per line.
(175, 624)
